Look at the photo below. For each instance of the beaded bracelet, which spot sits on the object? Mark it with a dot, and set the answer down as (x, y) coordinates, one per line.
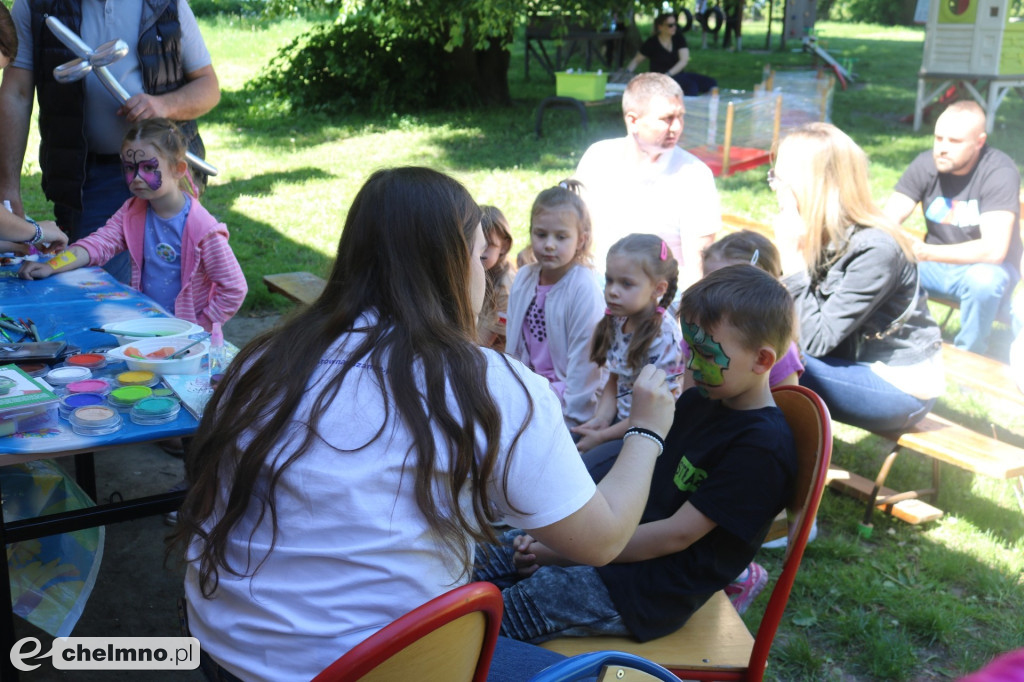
(648, 434)
(39, 233)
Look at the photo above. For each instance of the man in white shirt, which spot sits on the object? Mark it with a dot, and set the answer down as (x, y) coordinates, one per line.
(644, 183)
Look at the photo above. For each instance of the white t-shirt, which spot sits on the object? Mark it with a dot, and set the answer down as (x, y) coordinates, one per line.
(674, 198)
(351, 554)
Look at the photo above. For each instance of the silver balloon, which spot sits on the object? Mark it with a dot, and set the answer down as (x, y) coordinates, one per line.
(108, 53)
(72, 71)
(96, 61)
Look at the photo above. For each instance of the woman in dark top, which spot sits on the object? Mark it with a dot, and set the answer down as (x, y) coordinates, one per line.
(871, 346)
(669, 54)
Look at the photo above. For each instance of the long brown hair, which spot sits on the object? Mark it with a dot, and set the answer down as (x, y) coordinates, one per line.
(658, 263)
(403, 259)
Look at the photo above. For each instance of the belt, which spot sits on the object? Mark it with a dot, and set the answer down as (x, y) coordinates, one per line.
(105, 159)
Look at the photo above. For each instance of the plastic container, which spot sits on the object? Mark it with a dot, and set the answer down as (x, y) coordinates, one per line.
(87, 360)
(137, 378)
(34, 369)
(101, 386)
(62, 376)
(125, 397)
(95, 420)
(72, 402)
(163, 327)
(190, 363)
(587, 87)
(218, 354)
(151, 411)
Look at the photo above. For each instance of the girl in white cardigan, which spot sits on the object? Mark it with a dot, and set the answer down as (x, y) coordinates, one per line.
(556, 302)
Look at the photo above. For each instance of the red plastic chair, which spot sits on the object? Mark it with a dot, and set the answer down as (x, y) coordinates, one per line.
(451, 638)
(715, 643)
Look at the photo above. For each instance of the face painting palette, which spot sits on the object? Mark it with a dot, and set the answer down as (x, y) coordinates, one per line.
(95, 420)
(125, 397)
(72, 402)
(62, 376)
(158, 410)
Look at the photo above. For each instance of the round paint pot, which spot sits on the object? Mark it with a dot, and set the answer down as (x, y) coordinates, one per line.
(72, 402)
(61, 376)
(126, 396)
(89, 386)
(162, 392)
(95, 420)
(149, 411)
(90, 360)
(34, 369)
(6, 384)
(136, 378)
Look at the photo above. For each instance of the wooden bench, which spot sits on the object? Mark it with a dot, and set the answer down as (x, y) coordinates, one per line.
(980, 373)
(301, 287)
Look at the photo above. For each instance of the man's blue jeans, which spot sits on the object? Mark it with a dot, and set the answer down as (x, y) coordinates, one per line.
(857, 396)
(980, 288)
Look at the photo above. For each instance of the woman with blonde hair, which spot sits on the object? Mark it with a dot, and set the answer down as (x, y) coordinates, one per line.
(872, 347)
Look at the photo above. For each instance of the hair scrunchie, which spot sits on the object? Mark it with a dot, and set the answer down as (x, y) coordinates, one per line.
(660, 310)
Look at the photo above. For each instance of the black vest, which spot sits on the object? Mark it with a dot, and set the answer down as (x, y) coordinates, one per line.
(63, 147)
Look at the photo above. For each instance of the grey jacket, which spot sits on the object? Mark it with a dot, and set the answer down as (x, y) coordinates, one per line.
(859, 293)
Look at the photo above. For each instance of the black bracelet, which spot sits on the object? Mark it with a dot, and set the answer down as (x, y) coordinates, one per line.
(38, 235)
(648, 434)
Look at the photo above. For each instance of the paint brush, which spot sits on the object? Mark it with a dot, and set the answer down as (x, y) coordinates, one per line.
(34, 330)
(181, 351)
(629, 390)
(124, 333)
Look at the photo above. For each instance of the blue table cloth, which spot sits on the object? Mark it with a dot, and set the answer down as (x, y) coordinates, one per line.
(52, 577)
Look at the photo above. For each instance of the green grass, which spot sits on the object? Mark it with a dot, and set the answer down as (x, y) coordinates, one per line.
(910, 603)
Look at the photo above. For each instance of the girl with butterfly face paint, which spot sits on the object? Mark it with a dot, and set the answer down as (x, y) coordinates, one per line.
(179, 253)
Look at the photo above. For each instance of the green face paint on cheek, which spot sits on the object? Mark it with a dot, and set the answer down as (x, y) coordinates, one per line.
(707, 359)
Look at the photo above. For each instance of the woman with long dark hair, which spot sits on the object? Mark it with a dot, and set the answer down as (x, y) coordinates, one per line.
(351, 458)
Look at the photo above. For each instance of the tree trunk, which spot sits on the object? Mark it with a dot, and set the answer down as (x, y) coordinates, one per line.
(478, 74)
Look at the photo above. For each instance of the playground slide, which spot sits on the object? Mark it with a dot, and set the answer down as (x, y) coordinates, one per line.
(810, 45)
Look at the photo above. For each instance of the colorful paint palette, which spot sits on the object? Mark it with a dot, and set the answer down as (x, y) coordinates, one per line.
(34, 369)
(136, 378)
(94, 385)
(150, 411)
(62, 376)
(125, 397)
(90, 360)
(72, 402)
(95, 420)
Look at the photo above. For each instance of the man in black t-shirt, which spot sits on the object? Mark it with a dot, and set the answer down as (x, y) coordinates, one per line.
(970, 196)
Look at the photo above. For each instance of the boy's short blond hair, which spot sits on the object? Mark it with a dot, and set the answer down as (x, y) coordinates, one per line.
(756, 304)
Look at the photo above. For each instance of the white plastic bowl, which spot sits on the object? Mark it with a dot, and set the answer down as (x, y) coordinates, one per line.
(167, 327)
(190, 363)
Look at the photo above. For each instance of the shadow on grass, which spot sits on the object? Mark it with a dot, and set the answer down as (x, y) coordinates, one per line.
(260, 247)
(910, 603)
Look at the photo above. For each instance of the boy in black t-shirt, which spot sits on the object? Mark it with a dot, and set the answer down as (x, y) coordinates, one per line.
(727, 470)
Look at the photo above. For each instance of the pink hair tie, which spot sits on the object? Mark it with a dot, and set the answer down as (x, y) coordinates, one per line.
(660, 310)
(607, 311)
(664, 251)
